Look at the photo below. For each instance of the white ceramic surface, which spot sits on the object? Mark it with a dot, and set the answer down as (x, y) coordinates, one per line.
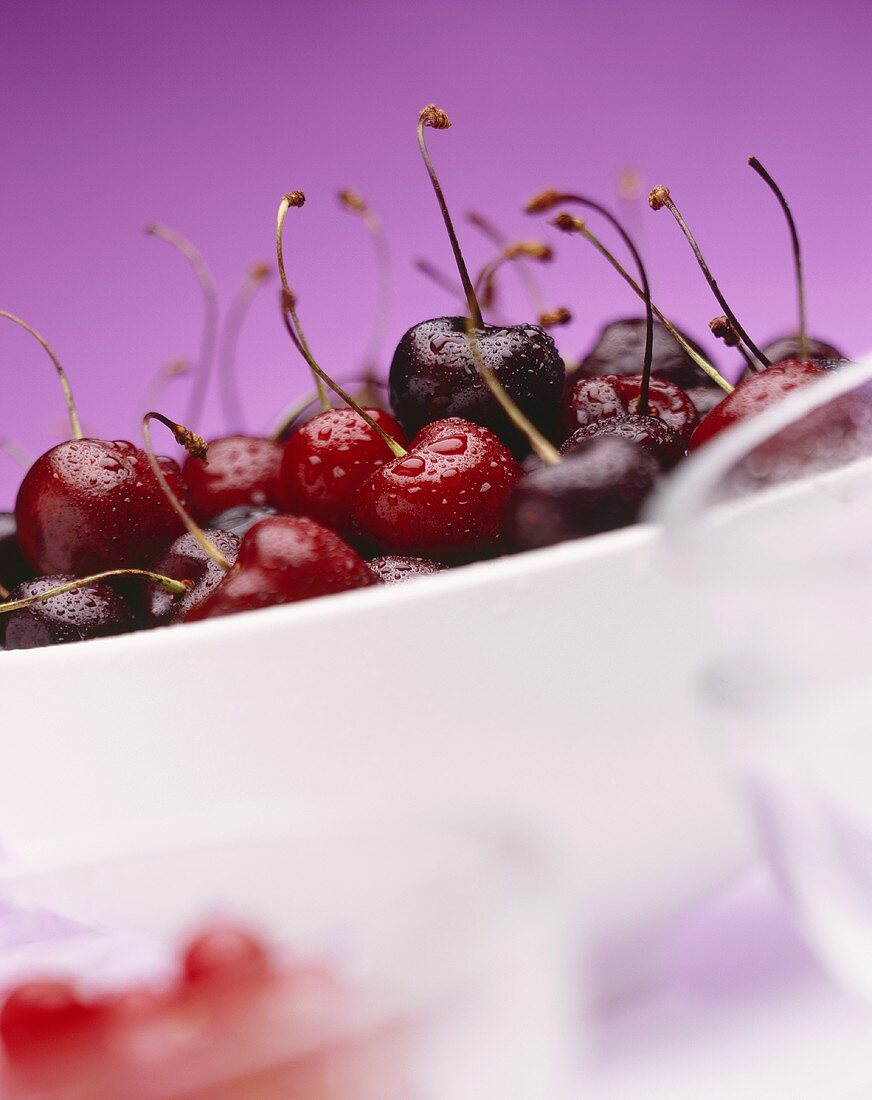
(547, 684)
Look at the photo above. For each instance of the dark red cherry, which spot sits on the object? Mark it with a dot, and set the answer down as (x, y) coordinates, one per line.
(399, 568)
(241, 519)
(649, 432)
(434, 376)
(238, 470)
(600, 486)
(14, 567)
(817, 351)
(186, 560)
(92, 611)
(224, 953)
(755, 393)
(38, 1016)
(284, 559)
(590, 399)
(326, 461)
(619, 349)
(443, 499)
(90, 504)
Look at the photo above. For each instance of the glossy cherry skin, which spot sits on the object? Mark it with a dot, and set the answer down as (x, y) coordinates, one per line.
(620, 349)
(92, 611)
(434, 376)
(399, 568)
(590, 399)
(755, 393)
(327, 460)
(649, 432)
(238, 470)
(445, 498)
(186, 560)
(817, 351)
(241, 519)
(90, 504)
(284, 559)
(14, 567)
(37, 1016)
(600, 486)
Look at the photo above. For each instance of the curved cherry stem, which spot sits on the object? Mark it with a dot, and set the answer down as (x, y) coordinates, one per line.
(295, 330)
(510, 252)
(231, 400)
(542, 446)
(546, 200)
(203, 370)
(177, 588)
(16, 452)
(293, 412)
(660, 197)
(195, 445)
(580, 226)
(434, 118)
(75, 424)
(723, 329)
(797, 253)
(546, 317)
(161, 378)
(437, 275)
(321, 375)
(372, 223)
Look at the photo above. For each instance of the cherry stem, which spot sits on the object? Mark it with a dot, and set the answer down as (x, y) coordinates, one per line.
(16, 452)
(293, 412)
(437, 276)
(431, 116)
(580, 226)
(177, 588)
(289, 300)
(546, 201)
(321, 375)
(75, 425)
(723, 329)
(797, 254)
(236, 314)
(195, 445)
(372, 223)
(203, 371)
(660, 197)
(161, 378)
(543, 447)
(545, 316)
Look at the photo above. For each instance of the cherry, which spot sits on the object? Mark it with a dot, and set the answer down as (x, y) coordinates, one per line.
(754, 394)
(241, 519)
(591, 399)
(92, 611)
(399, 568)
(434, 372)
(187, 560)
(239, 470)
(817, 351)
(618, 350)
(600, 486)
(224, 953)
(14, 567)
(327, 459)
(37, 1016)
(649, 432)
(443, 499)
(284, 559)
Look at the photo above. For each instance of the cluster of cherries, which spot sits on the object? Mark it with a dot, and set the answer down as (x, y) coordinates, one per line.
(492, 445)
(215, 1018)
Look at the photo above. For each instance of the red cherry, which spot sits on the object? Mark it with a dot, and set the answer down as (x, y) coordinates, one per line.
(398, 568)
(445, 497)
(89, 504)
(754, 394)
(186, 560)
(224, 952)
(590, 399)
(327, 460)
(37, 1015)
(239, 469)
(649, 432)
(281, 560)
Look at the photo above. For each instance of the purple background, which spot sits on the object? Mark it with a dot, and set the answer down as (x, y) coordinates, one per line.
(200, 115)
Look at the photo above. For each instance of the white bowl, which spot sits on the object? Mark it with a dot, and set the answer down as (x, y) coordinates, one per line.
(549, 684)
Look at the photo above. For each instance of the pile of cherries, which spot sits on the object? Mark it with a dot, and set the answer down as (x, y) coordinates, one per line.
(491, 445)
